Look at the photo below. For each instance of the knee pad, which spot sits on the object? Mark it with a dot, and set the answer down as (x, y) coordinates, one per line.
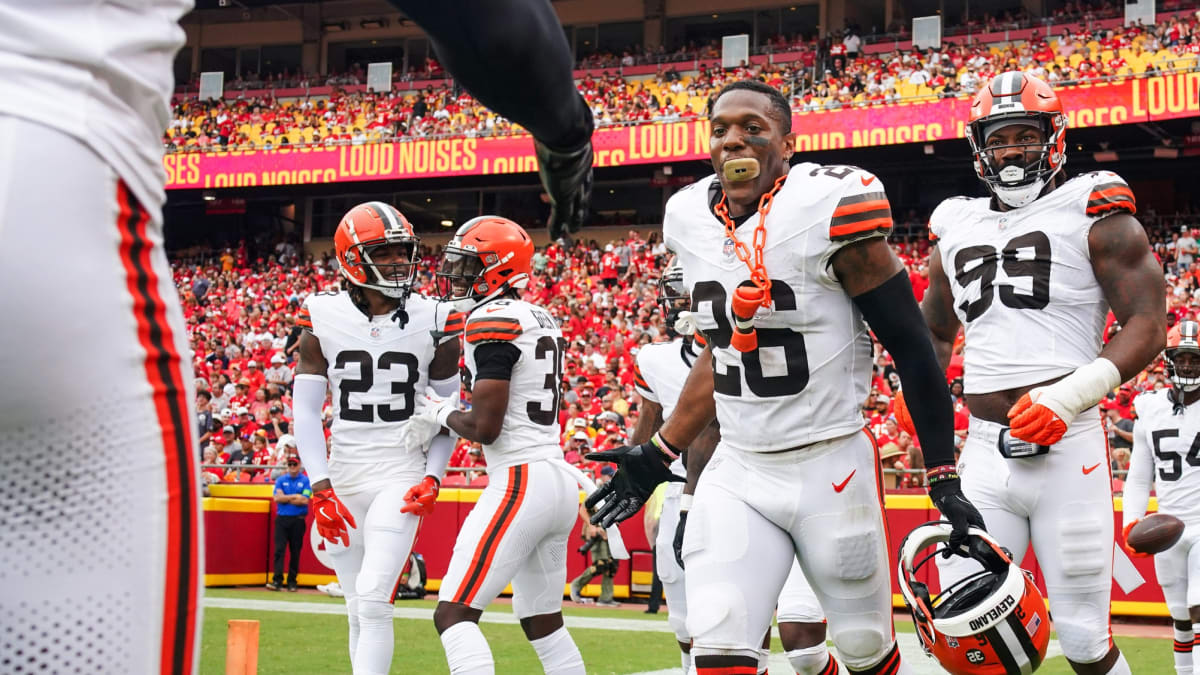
(809, 660)
(1084, 547)
(374, 612)
(375, 587)
(861, 648)
(1082, 627)
(678, 623)
(715, 618)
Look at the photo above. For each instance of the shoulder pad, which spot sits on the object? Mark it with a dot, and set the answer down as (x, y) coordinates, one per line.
(1109, 194)
(304, 318)
(863, 210)
(496, 321)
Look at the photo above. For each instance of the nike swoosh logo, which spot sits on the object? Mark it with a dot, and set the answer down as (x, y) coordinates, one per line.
(1089, 469)
(838, 487)
(489, 310)
(866, 181)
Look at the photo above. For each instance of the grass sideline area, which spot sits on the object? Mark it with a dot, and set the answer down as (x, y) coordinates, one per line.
(303, 641)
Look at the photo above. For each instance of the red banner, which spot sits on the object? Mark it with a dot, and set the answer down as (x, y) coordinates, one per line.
(1097, 105)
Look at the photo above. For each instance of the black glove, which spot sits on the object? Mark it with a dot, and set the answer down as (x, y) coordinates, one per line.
(640, 469)
(948, 498)
(677, 543)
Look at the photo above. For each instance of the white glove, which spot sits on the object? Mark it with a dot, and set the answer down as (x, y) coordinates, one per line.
(427, 420)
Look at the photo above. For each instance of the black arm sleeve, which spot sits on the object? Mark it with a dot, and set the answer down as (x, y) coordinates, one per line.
(893, 314)
(495, 360)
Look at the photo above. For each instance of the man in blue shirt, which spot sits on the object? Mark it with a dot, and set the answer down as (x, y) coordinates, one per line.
(292, 492)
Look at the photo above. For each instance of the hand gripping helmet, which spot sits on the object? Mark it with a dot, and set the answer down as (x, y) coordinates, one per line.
(674, 299)
(364, 230)
(993, 622)
(1016, 97)
(1185, 373)
(487, 257)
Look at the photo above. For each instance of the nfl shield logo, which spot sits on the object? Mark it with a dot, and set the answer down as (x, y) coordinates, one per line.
(728, 247)
(376, 331)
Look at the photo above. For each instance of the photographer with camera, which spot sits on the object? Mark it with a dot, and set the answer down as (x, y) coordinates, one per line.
(595, 542)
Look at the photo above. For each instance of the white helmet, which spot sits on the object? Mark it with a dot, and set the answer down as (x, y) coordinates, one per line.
(1185, 377)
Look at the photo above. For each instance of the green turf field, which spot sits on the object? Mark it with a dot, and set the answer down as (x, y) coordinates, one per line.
(311, 640)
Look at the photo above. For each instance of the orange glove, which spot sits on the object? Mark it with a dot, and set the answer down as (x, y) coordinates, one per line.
(1125, 542)
(332, 517)
(421, 497)
(1033, 422)
(903, 418)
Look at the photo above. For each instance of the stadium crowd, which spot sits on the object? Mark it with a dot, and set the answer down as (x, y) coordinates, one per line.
(240, 305)
(821, 77)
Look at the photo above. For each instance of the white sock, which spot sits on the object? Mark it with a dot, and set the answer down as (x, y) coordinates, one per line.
(558, 654)
(1121, 667)
(764, 655)
(685, 660)
(810, 660)
(1183, 651)
(467, 651)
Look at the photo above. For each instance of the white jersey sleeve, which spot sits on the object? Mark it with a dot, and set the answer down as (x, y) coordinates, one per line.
(376, 368)
(530, 429)
(1166, 446)
(806, 381)
(659, 374)
(1022, 281)
(1136, 494)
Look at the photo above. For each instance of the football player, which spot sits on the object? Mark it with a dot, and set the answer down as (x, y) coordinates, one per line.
(96, 353)
(783, 265)
(1164, 437)
(1030, 273)
(373, 345)
(518, 531)
(513, 57)
(659, 373)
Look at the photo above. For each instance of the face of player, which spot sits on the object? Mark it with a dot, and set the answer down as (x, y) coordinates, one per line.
(1017, 145)
(393, 261)
(744, 124)
(1187, 364)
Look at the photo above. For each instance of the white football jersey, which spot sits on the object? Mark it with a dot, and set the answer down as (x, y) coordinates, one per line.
(530, 429)
(1023, 283)
(98, 70)
(1166, 453)
(809, 376)
(376, 371)
(658, 375)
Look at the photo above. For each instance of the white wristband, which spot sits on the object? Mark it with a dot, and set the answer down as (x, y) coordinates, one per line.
(685, 502)
(1081, 389)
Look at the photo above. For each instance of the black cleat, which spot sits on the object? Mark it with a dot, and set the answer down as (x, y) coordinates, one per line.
(567, 179)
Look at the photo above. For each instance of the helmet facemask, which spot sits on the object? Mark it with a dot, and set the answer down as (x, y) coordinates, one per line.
(1018, 183)
(392, 279)
(1183, 367)
(674, 299)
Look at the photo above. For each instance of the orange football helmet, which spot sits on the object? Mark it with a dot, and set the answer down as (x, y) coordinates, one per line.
(1016, 97)
(993, 622)
(488, 256)
(364, 230)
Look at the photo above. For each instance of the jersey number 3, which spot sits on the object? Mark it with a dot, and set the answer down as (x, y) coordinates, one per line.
(979, 263)
(549, 348)
(405, 389)
(782, 342)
